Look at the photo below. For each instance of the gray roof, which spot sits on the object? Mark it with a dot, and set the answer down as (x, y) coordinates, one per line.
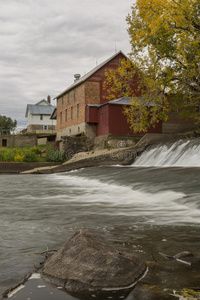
(86, 76)
(127, 101)
(122, 101)
(39, 109)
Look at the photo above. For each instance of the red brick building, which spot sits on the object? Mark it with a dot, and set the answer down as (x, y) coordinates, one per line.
(108, 118)
(83, 108)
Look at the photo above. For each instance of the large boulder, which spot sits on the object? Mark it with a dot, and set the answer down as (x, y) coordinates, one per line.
(85, 262)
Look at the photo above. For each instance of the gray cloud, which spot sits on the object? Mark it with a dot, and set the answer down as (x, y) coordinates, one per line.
(45, 42)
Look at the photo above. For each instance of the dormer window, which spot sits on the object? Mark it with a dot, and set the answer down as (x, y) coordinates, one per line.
(41, 117)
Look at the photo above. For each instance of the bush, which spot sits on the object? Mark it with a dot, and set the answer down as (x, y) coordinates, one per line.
(9, 155)
(36, 150)
(30, 156)
(55, 156)
(2, 154)
(19, 157)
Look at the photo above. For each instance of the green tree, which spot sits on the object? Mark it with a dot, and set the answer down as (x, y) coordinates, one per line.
(7, 125)
(165, 53)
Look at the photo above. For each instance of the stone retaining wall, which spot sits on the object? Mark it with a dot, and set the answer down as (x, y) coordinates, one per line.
(17, 167)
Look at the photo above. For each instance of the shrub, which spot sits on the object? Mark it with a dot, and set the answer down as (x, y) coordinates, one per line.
(9, 155)
(19, 157)
(30, 156)
(2, 154)
(56, 156)
(36, 150)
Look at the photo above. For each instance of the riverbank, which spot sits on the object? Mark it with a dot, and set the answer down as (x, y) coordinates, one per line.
(102, 157)
(18, 167)
(98, 157)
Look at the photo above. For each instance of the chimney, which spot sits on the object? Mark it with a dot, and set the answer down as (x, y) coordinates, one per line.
(49, 99)
(77, 77)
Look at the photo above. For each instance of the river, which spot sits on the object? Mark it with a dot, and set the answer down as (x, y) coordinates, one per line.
(150, 207)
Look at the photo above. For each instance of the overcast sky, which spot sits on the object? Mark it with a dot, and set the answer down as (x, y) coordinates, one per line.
(45, 42)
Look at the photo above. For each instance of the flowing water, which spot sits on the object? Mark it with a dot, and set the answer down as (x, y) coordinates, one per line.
(150, 207)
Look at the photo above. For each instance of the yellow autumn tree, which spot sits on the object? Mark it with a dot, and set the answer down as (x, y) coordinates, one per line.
(164, 62)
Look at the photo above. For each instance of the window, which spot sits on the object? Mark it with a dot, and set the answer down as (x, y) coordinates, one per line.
(72, 113)
(4, 143)
(78, 129)
(68, 98)
(45, 127)
(78, 110)
(61, 117)
(65, 115)
(41, 117)
(75, 94)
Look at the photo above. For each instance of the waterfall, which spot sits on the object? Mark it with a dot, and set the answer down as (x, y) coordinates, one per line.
(184, 153)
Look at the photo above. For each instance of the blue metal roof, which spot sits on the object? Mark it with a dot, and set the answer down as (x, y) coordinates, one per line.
(40, 109)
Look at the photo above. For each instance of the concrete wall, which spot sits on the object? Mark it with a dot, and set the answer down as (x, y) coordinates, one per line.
(115, 141)
(15, 168)
(18, 140)
(176, 125)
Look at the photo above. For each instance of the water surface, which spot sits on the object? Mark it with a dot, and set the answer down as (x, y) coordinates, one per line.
(139, 209)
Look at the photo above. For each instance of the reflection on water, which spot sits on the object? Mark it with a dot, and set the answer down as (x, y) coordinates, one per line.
(145, 210)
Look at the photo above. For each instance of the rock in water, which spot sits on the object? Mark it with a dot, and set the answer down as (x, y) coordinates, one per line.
(85, 263)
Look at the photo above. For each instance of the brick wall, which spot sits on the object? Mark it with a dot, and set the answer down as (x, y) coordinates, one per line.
(67, 106)
(89, 92)
(92, 92)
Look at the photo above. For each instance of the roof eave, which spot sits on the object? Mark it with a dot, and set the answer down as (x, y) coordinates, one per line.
(90, 73)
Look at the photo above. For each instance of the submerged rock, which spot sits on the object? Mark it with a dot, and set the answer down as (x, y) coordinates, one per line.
(86, 263)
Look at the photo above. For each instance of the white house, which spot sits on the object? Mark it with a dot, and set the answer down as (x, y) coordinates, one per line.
(38, 117)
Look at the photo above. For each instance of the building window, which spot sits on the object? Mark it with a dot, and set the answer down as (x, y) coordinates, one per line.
(68, 98)
(72, 113)
(75, 94)
(45, 127)
(70, 131)
(65, 115)
(41, 117)
(78, 129)
(78, 110)
(61, 117)
(4, 143)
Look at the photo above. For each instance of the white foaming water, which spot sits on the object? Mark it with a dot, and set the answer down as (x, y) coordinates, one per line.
(179, 154)
(162, 207)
